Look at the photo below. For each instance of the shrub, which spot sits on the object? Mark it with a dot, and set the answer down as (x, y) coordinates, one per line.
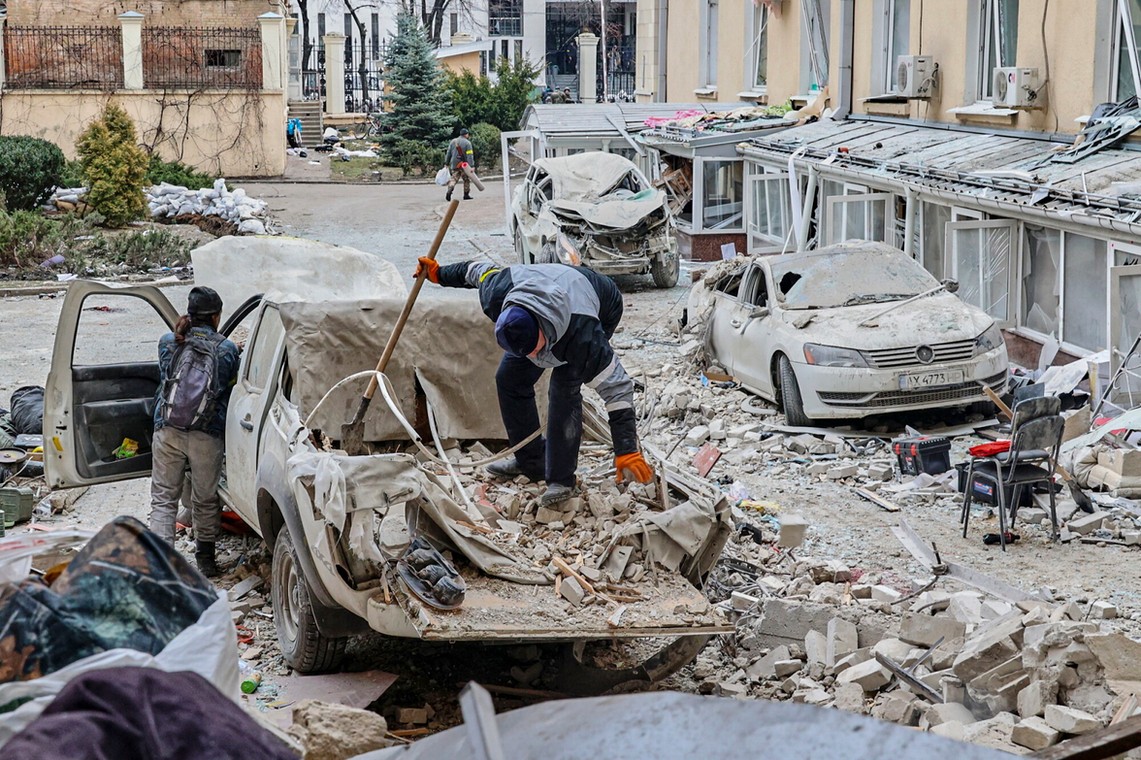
(28, 238)
(72, 174)
(30, 169)
(485, 143)
(114, 166)
(176, 173)
(471, 98)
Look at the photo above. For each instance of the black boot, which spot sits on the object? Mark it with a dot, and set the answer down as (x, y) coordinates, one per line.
(448, 195)
(204, 558)
(467, 196)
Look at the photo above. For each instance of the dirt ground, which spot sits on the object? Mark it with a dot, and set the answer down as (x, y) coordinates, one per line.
(398, 222)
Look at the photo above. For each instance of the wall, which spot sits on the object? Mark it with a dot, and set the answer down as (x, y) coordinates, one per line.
(458, 64)
(165, 12)
(238, 133)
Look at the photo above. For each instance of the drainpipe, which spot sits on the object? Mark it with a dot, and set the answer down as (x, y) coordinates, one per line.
(847, 43)
(663, 14)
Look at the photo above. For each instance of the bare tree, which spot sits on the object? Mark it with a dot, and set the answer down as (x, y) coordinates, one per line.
(355, 9)
(306, 43)
(432, 14)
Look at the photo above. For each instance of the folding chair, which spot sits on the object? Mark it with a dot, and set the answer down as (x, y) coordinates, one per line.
(1036, 437)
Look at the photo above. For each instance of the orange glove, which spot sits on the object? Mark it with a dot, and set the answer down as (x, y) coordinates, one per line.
(632, 467)
(430, 266)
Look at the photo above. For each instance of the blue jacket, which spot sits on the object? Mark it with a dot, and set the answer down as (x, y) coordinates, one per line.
(228, 358)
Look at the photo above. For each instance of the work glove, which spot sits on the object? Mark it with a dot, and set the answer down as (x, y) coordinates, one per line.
(632, 467)
(430, 266)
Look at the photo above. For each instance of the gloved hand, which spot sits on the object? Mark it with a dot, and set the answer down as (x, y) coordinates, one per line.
(430, 266)
(632, 467)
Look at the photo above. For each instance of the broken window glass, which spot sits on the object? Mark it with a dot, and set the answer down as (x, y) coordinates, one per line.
(931, 248)
(982, 261)
(1041, 284)
(858, 217)
(722, 190)
(770, 210)
(897, 31)
(1084, 292)
(999, 41)
(759, 48)
(1128, 75)
(814, 44)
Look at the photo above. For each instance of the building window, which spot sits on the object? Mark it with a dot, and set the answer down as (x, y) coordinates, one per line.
(770, 210)
(518, 51)
(1041, 279)
(722, 195)
(932, 246)
(321, 31)
(1084, 311)
(223, 59)
(504, 49)
(454, 23)
(708, 44)
(757, 57)
(1127, 74)
(998, 41)
(505, 18)
(376, 36)
(814, 45)
(896, 33)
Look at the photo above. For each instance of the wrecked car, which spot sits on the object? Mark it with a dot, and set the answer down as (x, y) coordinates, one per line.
(344, 529)
(595, 210)
(848, 331)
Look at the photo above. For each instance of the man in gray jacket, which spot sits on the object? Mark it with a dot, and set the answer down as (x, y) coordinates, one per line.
(460, 155)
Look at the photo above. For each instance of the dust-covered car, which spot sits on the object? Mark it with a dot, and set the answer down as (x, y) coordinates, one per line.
(595, 210)
(848, 331)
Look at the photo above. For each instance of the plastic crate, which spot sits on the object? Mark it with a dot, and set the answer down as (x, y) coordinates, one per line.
(923, 453)
(17, 505)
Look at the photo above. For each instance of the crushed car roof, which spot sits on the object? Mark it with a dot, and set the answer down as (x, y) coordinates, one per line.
(585, 175)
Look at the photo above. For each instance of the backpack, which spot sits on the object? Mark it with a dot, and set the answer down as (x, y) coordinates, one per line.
(189, 393)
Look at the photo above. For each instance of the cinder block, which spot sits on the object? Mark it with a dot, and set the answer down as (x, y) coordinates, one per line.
(1067, 720)
(815, 648)
(792, 530)
(843, 471)
(843, 638)
(870, 675)
(1034, 733)
(1086, 524)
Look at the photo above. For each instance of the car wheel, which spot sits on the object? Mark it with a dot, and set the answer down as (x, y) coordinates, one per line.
(664, 270)
(302, 644)
(790, 397)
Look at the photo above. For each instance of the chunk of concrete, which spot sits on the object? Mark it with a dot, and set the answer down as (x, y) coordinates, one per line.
(843, 471)
(815, 648)
(1103, 610)
(985, 652)
(787, 621)
(1034, 733)
(1034, 698)
(333, 731)
(785, 668)
(843, 638)
(1086, 524)
(765, 668)
(924, 630)
(952, 729)
(855, 658)
(1067, 720)
(793, 528)
(849, 697)
(966, 608)
(885, 594)
(894, 649)
(948, 712)
(870, 675)
(697, 436)
(897, 707)
(572, 591)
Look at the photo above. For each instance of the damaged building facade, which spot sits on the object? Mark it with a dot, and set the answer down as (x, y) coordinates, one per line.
(968, 134)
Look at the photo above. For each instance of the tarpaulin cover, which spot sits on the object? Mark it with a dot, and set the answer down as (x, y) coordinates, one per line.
(126, 589)
(144, 713)
(448, 344)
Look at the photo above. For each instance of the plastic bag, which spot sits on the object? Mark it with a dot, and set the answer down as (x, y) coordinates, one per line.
(443, 176)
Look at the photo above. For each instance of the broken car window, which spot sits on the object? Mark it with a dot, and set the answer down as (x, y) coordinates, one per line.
(850, 277)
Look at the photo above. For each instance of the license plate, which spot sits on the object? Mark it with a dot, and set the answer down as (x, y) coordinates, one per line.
(920, 380)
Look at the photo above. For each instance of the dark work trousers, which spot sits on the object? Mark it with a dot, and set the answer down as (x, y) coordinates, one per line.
(554, 458)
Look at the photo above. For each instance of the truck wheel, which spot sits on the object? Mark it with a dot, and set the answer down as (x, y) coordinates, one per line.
(664, 270)
(790, 396)
(302, 645)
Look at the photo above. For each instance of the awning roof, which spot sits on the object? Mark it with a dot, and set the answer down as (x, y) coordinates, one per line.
(556, 120)
(991, 169)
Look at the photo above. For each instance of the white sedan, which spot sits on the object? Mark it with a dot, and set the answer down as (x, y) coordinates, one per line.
(848, 331)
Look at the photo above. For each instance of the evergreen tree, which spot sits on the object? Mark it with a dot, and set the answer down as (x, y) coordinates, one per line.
(420, 107)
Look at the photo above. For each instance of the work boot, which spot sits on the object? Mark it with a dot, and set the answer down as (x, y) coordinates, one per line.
(505, 469)
(204, 558)
(467, 196)
(555, 494)
(448, 195)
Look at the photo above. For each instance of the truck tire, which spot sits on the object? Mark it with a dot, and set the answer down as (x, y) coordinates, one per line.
(664, 270)
(790, 397)
(302, 644)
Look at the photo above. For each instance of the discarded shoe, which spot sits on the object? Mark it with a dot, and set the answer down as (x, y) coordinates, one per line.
(556, 494)
(430, 577)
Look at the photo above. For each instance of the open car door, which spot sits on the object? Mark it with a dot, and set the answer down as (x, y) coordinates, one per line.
(101, 392)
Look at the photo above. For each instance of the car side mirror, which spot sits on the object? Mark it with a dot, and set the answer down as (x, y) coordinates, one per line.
(952, 286)
(759, 312)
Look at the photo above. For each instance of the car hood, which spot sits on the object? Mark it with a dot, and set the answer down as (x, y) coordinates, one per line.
(941, 318)
(612, 212)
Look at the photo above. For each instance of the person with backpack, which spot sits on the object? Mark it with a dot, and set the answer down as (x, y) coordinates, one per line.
(197, 370)
(460, 155)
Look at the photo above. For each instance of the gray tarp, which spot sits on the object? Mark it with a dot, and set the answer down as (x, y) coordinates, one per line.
(448, 344)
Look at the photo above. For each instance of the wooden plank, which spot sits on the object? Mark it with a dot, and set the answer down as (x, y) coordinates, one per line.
(1108, 742)
(879, 501)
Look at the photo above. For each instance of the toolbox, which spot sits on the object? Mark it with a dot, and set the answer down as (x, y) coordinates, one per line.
(922, 453)
(16, 504)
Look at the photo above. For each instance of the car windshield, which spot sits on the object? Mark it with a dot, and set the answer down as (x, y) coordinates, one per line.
(849, 278)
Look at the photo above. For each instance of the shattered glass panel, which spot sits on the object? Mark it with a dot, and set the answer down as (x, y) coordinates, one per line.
(1041, 283)
(900, 33)
(982, 266)
(858, 217)
(1084, 313)
(722, 190)
(1126, 87)
(867, 274)
(934, 238)
(1129, 327)
(760, 46)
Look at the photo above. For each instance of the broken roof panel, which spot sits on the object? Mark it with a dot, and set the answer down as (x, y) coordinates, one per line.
(1015, 171)
(596, 119)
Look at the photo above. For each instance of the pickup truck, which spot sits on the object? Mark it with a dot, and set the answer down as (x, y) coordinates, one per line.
(324, 586)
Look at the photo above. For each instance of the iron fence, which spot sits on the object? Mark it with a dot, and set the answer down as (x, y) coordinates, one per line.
(63, 57)
(190, 57)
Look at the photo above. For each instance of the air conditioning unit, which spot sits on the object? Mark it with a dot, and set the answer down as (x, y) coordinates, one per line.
(915, 76)
(1016, 87)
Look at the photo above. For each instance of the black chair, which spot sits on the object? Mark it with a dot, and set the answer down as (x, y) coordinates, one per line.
(1036, 437)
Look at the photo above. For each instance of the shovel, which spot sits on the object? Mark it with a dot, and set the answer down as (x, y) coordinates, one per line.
(352, 434)
(1080, 497)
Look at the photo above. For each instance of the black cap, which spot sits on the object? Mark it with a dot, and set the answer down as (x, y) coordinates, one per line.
(203, 302)
(464, 131)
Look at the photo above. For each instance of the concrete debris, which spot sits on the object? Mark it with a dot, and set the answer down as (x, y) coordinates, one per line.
(1034, 733)
(1067, 720)
(335, 732)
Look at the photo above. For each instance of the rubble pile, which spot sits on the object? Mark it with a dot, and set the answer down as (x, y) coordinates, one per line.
(165, 202)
